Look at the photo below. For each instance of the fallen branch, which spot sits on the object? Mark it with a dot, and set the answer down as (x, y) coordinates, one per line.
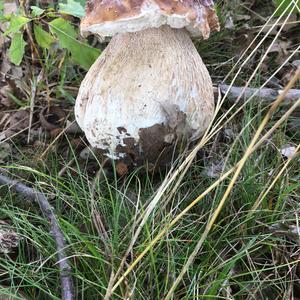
(265, 94)
(36, 196)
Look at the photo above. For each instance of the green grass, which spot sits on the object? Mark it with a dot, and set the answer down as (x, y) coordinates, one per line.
(243, 255)
(251, 251)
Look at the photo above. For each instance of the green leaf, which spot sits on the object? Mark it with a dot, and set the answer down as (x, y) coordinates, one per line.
(72, 8)
(84, 55)
(16, 23)
(282, 5)
(36, 11)
(17, 48)
(64, 30)
(42, 37)
(81, 52)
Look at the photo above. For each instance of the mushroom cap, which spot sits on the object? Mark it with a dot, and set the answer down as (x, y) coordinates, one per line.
(106, 18)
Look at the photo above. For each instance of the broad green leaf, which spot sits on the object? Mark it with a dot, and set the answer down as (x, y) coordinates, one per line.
(72, 8)
(64, 30)
(81, 52)
(36, 11)
(84, 55)
(287, 5)
(16, 23)
(17, 48)
(42, 37)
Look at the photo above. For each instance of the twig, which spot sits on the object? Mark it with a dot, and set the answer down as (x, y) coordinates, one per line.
(47, 210)
(265, 94)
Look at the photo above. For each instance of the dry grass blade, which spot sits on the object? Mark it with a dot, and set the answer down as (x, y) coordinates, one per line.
(207, 136)
(31, 109)
(178, 174)
(210, 188)
(172, 175)
(216, 129)
(240, 166)
(17, 133)
(263, 195)
(55, 140)
(182, 169)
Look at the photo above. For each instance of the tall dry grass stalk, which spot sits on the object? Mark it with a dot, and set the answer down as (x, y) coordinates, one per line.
(175, 176)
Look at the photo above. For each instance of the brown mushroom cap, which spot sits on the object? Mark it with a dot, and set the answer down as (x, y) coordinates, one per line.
(109, 17)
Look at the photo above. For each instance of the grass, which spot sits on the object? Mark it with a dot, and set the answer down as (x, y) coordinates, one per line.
(245, 254)
(249, 251)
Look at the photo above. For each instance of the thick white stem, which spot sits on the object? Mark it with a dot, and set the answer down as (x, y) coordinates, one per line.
(146, 90)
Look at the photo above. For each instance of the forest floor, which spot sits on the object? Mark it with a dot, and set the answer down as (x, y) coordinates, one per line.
(222, 223)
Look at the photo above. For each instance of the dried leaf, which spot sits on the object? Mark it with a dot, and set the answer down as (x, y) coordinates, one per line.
(288, 151)
(9, 239)
(18, 122)
(8, 68)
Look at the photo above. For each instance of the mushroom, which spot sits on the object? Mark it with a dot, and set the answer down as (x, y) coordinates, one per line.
(149, 90)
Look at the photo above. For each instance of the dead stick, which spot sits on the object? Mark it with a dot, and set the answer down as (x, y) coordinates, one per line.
(265, 94)
(36, 196)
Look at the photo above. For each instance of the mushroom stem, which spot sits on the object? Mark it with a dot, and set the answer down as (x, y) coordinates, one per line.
(146, 90)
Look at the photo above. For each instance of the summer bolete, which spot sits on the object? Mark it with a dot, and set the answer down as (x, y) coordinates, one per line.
(149, 89)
